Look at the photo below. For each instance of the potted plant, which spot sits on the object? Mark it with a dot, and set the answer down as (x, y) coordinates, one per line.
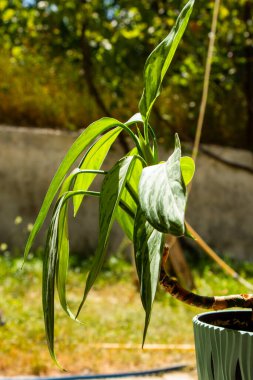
(148, 199)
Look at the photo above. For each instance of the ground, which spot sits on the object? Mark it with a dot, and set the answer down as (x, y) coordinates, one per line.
(110, 339)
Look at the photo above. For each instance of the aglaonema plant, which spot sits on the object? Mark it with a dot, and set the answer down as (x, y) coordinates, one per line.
(147, 197)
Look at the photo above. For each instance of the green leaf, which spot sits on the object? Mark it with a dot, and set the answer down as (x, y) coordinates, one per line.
(112, 188)
(148, 247)
(81, 143)
(48, 280)
(187, 165)
(94, 158)
(159, 61)
(125, 220)
(63, 246)
(136, 118)
(162, 194)
(50, 259)
(63, 260)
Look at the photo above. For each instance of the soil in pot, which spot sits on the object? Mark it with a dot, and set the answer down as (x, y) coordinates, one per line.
(240, 321)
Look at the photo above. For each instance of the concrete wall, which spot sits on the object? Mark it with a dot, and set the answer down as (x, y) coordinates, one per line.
(220, 205)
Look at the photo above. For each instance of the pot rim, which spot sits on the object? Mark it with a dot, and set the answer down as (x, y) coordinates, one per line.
(198, 322)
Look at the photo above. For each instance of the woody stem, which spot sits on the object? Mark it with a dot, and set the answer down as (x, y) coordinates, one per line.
(172, 286)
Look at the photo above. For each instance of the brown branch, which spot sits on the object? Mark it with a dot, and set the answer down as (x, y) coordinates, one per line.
(171, 285)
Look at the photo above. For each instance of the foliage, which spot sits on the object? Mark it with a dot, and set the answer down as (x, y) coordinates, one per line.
(32, 95)
(150, 193)
(108, 41)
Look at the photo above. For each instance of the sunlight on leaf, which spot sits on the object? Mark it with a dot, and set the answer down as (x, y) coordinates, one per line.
(81, 143)
(187, 165)
(159, 61)
(163, 194)
(93, 159)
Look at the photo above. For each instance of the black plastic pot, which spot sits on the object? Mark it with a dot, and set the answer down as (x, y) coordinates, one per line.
(224, 345)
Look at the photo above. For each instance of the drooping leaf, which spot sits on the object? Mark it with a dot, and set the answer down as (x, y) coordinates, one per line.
(162, 194)
(63, 238)
(148, 247)
(81, 143)
(50, 260)
(63, 246)
(94, 159)
(136, 118)
(187, 168)
(48, 279)
(111, 191)
(159, 61)
(125, 220)
(63, 260)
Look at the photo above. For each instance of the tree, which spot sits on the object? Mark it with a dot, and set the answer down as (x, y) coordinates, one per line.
(107, 42)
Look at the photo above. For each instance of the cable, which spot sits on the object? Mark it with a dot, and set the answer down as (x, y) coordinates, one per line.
(150, 372)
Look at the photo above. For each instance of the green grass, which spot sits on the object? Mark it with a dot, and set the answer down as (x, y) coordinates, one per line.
(113, 314)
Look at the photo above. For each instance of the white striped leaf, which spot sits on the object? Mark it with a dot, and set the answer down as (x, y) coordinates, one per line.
(162, 194)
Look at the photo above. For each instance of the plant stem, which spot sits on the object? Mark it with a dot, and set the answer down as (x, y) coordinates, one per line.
(172, 286)
(125, 207)
(132, 192)
(155, 145)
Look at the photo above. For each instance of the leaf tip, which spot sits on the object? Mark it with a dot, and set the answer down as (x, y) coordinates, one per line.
(53, 356)
(147, 320)
(177, 141)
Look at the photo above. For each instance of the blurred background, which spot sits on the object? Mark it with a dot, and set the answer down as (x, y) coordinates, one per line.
(66, 63)
(63, 64)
